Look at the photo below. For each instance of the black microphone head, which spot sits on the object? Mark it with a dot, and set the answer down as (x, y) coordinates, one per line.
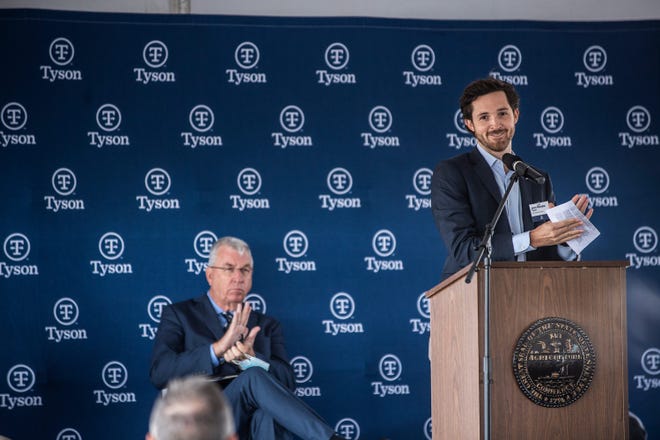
(509, 159)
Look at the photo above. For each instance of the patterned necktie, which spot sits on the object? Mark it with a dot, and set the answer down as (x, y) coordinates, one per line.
(228, 317)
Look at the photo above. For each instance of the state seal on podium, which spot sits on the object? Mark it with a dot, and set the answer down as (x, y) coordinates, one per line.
(554, 362)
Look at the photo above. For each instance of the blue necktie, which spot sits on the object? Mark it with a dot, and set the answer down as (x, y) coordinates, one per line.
(228, 317)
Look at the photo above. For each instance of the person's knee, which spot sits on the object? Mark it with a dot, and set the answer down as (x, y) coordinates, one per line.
(248, 379)
(255, 374)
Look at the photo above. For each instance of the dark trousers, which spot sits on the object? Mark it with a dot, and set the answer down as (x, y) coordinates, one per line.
(265, 410)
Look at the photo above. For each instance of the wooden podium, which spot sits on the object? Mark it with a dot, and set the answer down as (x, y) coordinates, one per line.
(590, 294)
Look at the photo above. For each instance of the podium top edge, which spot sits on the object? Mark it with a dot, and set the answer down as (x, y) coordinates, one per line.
(555, 264)
(460, 275)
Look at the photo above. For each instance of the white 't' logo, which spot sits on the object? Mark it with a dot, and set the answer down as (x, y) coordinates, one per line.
(645, 239)
(459, 122)
(61, 51)
(14, 116)
(509, 58)
(348, 428)
(597, 180)
(428, 429)
(638, 119)
(17, 247)
(108, 117)
(256, 301)
(552, 120)
(342, 305)
(423, 58)
(65, 311)
(336, 56)
(422, 181)
(20, 378)
(246, 55)
(295, 243)
(156, 306)
(423, 306)
(155, 54)
(339, 181)
(651, 361)
(302, 369)
(111, 246)
(204, 242)
(594, 59)
(68, 434)
(201, 118)
(249, 181)
(114, 375)
(292, 118)
(157, 181)
(380, 119)
(64, 181)
(390, 367)
(384, 243)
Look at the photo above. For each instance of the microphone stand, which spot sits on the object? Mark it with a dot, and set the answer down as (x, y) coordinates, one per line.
(485, 250)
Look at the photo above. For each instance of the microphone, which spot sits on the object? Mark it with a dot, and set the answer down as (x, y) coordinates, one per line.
(516, 164)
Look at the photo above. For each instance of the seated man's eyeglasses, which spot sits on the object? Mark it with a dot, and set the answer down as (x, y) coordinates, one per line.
(229, 270)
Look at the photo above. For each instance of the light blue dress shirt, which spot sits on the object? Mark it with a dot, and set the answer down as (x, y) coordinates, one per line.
(520, 238)
(513, 205)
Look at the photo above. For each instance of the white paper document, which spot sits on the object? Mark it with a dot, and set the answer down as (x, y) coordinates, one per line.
(569, 210)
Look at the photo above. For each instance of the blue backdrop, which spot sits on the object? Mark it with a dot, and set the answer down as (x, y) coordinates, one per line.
(129, 142)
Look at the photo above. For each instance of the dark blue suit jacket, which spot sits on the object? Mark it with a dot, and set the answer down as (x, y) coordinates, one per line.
(464, 198)
(188, 328)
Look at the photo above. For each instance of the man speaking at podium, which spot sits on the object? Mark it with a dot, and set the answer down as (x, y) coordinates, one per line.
(466, 189)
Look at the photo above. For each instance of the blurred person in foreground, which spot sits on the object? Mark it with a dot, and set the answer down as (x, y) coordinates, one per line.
(192, 408)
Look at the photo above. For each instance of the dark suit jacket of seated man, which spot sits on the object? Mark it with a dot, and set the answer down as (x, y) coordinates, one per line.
(194, 338)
